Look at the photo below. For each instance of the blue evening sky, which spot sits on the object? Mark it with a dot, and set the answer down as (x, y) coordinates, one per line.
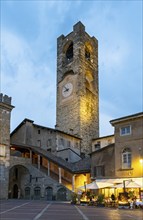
(29, 32)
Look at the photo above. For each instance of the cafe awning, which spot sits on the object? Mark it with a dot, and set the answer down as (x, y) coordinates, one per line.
(128, 184)
(96, 185)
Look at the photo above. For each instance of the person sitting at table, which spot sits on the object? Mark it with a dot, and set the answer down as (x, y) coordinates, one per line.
(113, 197)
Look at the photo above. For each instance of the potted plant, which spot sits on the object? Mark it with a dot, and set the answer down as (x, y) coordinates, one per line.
(100, 200)
(73, 198)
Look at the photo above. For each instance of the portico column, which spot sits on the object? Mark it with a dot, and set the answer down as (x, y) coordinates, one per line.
(31, 156)
(73, 182)
(48, 168)
(60, 178)
(38, 162)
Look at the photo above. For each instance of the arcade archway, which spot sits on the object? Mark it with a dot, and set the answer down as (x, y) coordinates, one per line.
(18, 176)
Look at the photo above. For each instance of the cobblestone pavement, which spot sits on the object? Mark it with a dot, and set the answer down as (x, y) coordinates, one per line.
(43, 210)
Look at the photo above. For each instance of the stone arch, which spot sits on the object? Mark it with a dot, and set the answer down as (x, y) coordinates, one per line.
(67, 45)
(49, 193)
(62, 194)
(68, 73)
(18, 175)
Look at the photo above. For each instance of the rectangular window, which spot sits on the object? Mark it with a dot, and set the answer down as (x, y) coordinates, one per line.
(125, 130)
(49, 142)
(62, 141)
(68, 144)
(39, 143)
(97, 145)
(99, 171)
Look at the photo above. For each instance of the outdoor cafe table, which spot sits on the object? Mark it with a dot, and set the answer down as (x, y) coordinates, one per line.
(139, 204)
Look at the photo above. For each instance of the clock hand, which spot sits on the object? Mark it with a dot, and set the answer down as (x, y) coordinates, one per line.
(66, 89)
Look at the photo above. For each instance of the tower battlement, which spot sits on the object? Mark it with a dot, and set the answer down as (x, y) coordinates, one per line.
(5, 99)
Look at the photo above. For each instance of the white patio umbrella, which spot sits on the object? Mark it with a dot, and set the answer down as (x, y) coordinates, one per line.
(96, 185)
(128, 184)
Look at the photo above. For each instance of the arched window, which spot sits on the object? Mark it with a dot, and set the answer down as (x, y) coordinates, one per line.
(126, 158)
(88, 51)
(61, 194)
(49, 193)
(69, 52)
(37, 192)
(87, 54)
(27, 192)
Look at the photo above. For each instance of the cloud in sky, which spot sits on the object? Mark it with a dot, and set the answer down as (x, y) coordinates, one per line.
(29, 31)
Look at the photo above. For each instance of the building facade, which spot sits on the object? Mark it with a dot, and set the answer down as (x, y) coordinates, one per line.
(129, 145)
(59, 143)
(124, 157)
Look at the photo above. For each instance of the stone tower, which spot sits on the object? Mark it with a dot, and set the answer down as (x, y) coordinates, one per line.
(5, 113)
(77, 86)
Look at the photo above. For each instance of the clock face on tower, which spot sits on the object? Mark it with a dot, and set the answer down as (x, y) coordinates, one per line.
(67, 89)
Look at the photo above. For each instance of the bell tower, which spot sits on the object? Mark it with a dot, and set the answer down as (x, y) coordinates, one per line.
(77, 86)
(5, 114)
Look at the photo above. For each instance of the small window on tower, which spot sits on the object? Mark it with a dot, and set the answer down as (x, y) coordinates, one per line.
(87, 54)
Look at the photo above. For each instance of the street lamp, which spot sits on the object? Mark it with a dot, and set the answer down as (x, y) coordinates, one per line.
(124, 185)
(85, 186)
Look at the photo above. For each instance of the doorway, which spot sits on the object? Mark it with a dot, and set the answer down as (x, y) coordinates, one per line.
(15, 191)
(61, 194)
(49, 193)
